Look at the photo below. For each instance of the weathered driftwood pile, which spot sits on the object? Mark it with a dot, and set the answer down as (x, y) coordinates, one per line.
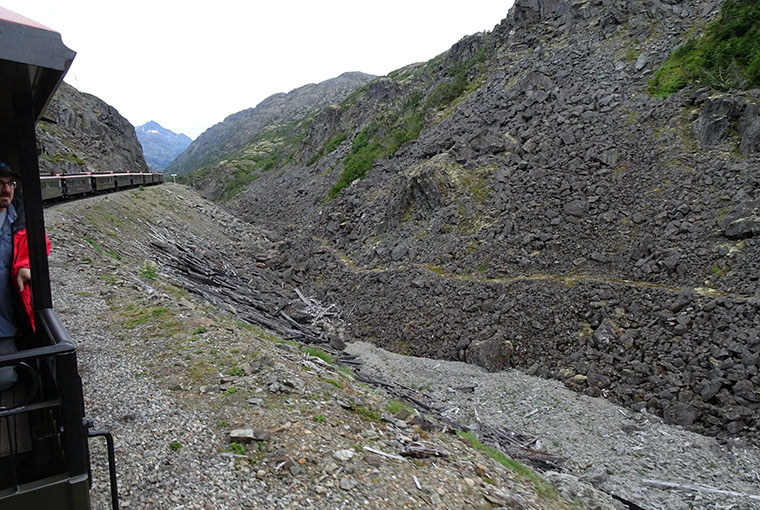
(252, 293)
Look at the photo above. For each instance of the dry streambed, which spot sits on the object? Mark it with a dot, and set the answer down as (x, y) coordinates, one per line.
(176, 379)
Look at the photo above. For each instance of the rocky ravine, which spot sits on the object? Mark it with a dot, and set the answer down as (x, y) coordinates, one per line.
(553, 218)
(173, 374)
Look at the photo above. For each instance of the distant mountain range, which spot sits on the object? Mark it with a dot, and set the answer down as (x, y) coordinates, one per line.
(160, 145)
(250, 133)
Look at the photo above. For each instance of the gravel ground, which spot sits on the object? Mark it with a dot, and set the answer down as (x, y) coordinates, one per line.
(619, 451)
(159, 366)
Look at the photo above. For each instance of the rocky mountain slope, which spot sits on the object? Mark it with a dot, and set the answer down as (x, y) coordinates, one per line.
(160, 145)
(209, 410)
(81, 133)
(521, 201)
(258, 138)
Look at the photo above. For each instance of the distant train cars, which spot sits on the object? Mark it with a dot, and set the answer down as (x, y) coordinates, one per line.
(62, 187)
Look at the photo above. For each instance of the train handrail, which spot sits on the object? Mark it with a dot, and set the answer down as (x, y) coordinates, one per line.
(35, 353)
(61, 342)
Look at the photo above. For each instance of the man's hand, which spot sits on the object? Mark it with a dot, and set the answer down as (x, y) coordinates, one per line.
(23, 278)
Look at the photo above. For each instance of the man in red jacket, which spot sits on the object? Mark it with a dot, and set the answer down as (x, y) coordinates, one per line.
(16, 312)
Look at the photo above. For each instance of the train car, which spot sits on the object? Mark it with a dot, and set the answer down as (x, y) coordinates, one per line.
(103, 182)
(122, 181)
(51, 187)
(44, 453)
(74, 185)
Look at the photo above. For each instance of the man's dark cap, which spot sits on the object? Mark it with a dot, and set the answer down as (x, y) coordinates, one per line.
(6, 170)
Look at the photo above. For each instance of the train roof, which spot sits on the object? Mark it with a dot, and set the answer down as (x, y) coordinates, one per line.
(33, 59)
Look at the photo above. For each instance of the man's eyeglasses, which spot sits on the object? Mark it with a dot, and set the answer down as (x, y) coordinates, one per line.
(8, 184)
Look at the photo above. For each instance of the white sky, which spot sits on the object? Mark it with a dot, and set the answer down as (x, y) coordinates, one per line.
(188, 64)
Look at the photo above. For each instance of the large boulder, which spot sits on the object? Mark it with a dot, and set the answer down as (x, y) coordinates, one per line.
(742, 221)
(493, 353)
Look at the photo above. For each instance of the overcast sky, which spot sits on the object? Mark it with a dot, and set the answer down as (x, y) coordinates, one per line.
(188, 65)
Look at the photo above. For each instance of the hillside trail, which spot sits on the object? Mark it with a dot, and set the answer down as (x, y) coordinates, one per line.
(357, 267)
(141, 379)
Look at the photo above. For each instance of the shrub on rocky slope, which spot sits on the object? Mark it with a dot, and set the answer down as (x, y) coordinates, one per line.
(726, 57)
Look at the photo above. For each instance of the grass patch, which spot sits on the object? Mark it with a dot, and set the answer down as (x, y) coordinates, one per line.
(178, 293)
(137, 315)
(109, 278)
(62, 158)
(171, 327)
(237, 448)
(201, 371)
(436, 269)
(114, 254)
(726, 56)
(93, 244)
(366, 413)
(235, 372)
(395, 406)
(149, 271)
(319, 353)
(335, 383)
(543, 487)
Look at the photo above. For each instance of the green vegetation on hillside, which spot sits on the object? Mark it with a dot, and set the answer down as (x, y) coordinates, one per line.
(429, 90)
(364, 150)
(273, 148)
(388, 131)
(329, 146)
(62, 158)
(726, 56)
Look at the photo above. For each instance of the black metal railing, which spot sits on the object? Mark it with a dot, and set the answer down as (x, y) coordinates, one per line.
(44, 452)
